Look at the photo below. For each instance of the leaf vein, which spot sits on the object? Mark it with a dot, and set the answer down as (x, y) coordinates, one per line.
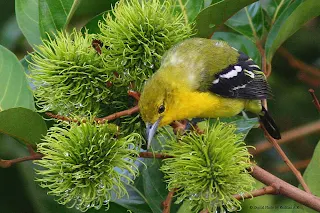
(64, 9)
(19, 93)
(7, 85)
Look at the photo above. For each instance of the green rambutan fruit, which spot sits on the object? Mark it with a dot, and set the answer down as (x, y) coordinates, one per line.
(208, 169)
(69, 75)
(136, 36)
(86, 165)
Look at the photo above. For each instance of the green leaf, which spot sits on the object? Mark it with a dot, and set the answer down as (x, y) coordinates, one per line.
(149, 186)
(274, 7)
(133, 205)
(14, 90)
(23, 124)
(55, 15)
(311, 177)
(207, 3)
(136, 201)
(209, 19)
(113, 207)
(244, 125)
(292, 19)
(154, 187)
(93, 8)
(241, 43)
(240, 21)
(27, 14)
(189, 8)
(25, 63)
(92, 25)
(149, 189)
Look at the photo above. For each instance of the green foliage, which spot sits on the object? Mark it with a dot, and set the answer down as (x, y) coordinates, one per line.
(84, 164)
(28, 20)
(239, 21)
(92, 25)
(148, 191)
(23, 124)
(55, 15)
(243, 125)
(189, 8)
(210, 168)
(209, 19)
(14, 90)
(311, 176)
(289, 22)
(69, 75)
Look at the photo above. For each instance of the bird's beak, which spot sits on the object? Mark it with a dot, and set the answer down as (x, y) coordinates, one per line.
(151, 131)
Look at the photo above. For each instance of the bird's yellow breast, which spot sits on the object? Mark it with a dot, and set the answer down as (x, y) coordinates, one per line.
(192, 104)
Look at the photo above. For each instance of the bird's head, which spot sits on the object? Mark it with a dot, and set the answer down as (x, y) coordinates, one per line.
(156, 104)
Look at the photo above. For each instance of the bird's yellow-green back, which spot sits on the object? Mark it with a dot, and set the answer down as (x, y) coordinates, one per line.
(195, 61)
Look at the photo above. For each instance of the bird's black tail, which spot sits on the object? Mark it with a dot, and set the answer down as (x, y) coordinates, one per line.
(269, 124)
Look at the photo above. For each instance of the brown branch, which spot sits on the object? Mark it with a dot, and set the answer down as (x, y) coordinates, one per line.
(8, 163)
(298, 64)
(266, 67)
(60, 117)
(311, 80)
(286, 189)
(154, 155)
(299, 165)
(135, 109)
(288, 136)
(134, 94)
(315, 99)
(167, 203)
(259, 192)
(118, 114)
(33, 156)
(111, 117)
(286, 160)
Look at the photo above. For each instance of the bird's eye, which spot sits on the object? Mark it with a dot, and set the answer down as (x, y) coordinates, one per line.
(161, 109)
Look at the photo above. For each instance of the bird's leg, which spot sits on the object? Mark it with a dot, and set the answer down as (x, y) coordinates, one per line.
(179, 127)
(193, 122)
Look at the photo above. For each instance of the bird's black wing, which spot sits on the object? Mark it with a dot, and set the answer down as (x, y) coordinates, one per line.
(243, 79)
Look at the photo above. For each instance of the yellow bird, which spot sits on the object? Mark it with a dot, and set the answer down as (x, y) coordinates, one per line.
(204, 78)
